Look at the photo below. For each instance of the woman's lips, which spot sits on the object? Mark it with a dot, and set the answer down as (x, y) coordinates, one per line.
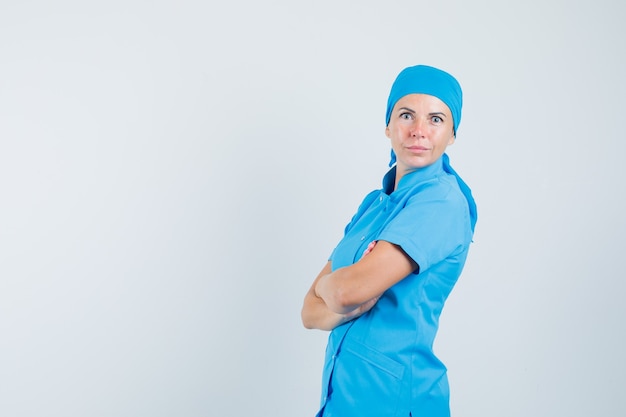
(417, 148)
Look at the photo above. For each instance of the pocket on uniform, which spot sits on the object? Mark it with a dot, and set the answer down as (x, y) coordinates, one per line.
(365, 382)
(375, 358)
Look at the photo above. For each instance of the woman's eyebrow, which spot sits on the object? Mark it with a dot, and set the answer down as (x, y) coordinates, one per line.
(435, 113)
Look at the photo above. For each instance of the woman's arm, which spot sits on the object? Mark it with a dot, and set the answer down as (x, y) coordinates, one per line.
(317, 315)
(350, 287)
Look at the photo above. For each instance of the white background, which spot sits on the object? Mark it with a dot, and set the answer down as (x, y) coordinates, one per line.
(173, 176)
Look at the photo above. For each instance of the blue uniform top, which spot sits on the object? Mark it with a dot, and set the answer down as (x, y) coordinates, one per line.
(382, 363)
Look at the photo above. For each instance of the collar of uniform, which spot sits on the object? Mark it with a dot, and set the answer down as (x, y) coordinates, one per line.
(411, 178)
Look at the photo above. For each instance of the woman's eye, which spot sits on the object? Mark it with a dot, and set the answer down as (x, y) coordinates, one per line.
(437, 119)
(405, 116)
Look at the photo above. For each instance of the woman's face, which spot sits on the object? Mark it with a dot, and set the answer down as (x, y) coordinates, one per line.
(420, 129)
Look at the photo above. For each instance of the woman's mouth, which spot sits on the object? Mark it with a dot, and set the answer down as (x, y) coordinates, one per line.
(417, 148)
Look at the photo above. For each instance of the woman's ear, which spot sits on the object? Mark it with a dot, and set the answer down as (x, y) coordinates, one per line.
(387, 132)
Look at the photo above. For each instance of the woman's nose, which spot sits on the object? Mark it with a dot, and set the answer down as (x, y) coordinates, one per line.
(417, 129)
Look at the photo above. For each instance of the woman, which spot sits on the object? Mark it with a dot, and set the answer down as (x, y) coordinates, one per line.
(385, 284)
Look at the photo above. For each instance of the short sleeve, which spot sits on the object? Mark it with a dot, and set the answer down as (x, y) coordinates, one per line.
(433, 224)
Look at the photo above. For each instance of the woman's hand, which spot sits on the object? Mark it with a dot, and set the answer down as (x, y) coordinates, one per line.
(369, 248)
(362, 309)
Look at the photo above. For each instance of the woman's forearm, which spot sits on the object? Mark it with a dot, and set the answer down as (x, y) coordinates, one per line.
(317, 315)
(335, 291)
(352, 286)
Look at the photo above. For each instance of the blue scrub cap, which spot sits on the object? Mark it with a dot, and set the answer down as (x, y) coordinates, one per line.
(422, 79)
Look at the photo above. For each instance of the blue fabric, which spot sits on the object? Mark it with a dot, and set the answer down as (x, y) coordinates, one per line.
(467, 192)
(382, 363)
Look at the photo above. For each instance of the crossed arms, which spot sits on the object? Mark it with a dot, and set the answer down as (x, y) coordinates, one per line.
(348, 292)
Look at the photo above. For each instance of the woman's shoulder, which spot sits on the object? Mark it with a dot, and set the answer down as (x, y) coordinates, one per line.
(441, 183)
(443, 187)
